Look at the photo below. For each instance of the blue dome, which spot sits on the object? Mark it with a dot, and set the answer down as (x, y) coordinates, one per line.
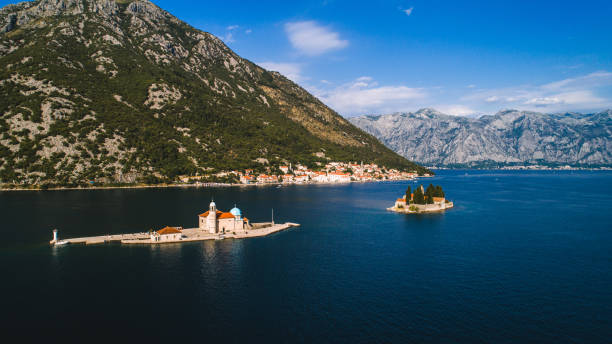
(236, 212)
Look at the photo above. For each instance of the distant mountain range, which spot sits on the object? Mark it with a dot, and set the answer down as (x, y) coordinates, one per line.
(507, 138)
(122, 91)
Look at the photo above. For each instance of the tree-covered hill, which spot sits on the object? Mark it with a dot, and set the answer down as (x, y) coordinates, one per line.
(123, 91)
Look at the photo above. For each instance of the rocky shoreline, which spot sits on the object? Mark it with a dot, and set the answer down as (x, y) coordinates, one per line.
(423, 208)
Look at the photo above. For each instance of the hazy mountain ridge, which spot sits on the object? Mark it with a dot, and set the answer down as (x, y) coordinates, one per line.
(509, 137)
(122, 90)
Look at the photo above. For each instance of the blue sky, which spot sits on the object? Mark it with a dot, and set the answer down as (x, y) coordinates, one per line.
(460, 57)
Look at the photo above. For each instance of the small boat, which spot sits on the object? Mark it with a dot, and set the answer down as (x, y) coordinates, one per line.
(279, 186)
(220, 237)
(61, 242)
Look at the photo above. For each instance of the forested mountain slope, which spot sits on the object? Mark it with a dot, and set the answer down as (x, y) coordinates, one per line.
(122, 91)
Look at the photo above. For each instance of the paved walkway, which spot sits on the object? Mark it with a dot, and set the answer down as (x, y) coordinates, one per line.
(189, 234)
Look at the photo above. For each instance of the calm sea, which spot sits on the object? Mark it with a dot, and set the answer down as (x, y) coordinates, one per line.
(523, 257)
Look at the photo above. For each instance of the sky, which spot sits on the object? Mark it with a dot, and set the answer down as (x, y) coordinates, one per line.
(459, 57)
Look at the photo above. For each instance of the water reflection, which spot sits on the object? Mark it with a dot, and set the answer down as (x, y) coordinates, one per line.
(352, 269)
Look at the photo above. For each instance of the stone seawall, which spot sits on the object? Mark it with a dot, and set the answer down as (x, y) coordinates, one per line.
(423, 208)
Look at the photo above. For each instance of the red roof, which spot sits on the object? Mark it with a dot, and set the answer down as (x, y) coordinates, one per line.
(208, 211)
(168, 230)
(226, 216)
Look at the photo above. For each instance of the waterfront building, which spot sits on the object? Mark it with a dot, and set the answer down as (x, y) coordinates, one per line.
(339, 177)
(439, 200)
(247, 179)
(288, 178)
(301, 179)
(320, 177)
(215, 221)
(167, 234)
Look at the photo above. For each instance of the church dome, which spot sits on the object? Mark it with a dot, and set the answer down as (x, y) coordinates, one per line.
(236, 212)
(212, 204)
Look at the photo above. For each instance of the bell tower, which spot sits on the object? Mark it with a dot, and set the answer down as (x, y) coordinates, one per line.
(211, 220)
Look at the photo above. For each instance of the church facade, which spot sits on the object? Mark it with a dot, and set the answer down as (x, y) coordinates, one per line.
(215, 221)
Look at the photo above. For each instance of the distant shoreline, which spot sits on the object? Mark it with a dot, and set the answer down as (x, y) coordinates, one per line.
(524, 168)
(217, 185)
(204, 185)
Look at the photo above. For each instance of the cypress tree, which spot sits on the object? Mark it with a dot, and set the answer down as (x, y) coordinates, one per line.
(430, 190)
(429, 193)
(418, 196)
(428, 196)
(439, 192)
(408, 195)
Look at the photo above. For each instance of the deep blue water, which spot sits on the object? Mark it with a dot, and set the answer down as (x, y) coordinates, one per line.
(523, 257)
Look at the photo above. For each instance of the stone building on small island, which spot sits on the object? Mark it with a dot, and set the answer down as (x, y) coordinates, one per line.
(212, 225)
(422, 201)
(215, 221)
(167, 234)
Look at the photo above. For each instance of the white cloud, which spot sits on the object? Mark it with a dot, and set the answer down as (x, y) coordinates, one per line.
(543, 101)
(248, 31)
(456, 110)
(292, 71)
(228, 38)
(363, 95)
(571, 94)
(595, 79)
(408, 11)
(580, 97)
(312, 39)
(229, 34)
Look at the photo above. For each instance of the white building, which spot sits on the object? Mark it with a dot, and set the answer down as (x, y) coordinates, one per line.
(215, 221)
(167, 234)
(339, 177)
(320, 177)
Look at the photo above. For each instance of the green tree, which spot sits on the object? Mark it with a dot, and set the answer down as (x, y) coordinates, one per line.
(408, 195)
(439, 192)
(429, 193)
(418, 197)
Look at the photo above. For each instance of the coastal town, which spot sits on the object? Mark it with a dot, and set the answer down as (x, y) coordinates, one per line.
(332, 172)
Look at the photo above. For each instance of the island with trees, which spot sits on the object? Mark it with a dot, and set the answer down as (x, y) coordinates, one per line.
(422, 200)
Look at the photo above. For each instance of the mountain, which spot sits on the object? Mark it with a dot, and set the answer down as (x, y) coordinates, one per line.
(122, 91)
(507, 138)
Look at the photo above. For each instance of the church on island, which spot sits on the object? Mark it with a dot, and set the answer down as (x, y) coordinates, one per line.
(215, 221)
(212, 225)
(212, 221)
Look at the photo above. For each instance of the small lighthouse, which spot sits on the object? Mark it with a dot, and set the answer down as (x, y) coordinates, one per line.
(54, 236)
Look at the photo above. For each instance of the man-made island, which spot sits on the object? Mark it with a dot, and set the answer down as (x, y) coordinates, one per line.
(430, 200)
(212, 225)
